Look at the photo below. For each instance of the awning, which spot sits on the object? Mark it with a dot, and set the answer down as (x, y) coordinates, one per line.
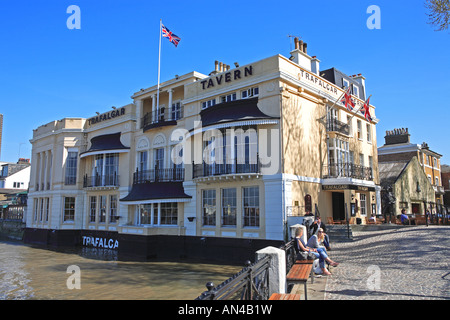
(107, 143)
(152, 192)
(238, 110)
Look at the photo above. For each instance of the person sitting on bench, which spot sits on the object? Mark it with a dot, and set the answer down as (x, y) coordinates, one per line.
(318, 252)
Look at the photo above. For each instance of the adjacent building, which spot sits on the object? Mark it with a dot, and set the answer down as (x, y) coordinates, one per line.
(398, 147)
(207, 165)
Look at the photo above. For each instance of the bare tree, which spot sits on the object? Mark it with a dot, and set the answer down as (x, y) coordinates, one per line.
(439, 13)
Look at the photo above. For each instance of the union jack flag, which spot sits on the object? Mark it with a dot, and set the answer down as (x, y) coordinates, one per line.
(348, 101)
(169, 35)
(366, 111)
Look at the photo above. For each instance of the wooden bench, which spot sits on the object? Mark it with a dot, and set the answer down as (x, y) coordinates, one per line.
(284, 296)
(311, 262)
(299, 273)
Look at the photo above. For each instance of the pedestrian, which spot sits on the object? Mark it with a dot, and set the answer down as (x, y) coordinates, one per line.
(318, 224)
(317, 252)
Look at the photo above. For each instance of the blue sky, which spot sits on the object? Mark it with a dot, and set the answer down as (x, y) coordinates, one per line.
(48, 72)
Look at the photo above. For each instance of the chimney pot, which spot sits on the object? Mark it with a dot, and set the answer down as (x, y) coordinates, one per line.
(296, 43)
(305, 45)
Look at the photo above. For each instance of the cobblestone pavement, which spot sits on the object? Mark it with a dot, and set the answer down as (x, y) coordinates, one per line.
(403, 263)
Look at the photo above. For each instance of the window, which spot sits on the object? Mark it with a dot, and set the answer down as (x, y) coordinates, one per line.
(111, 169)
(69, 208)
(113, 208)
(145, 213)
(92, 208)
(209, 103)
(435, 162)
(369, 133)
(102, 208)
(308, 204)
(362, 200)
(345, 83)
(228, 97)
(371, 165)
(359, 129)
(229, 207)
(361, 159)
(41, 210)
(251, 206)
(252, 92)
(159, 158)
(47, 209)
(169, 213)
(36, 209)
(355, 90)
(437, 181)
(209, 207)
(176, 111)
(429, 179)
(71, 168)
(142, 161)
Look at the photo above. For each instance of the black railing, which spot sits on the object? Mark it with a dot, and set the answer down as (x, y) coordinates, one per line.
(206, 170)
(338, 126)
(348, 170)
(158, 175)
(110, 180)
(251, 283)
(162, 116)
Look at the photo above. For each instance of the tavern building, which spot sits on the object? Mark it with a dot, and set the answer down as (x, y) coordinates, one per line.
(226, 162)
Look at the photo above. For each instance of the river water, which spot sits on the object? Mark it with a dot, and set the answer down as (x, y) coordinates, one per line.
(28, 272)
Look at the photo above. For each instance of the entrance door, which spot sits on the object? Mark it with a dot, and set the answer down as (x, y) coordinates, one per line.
(338, 206)
(415, 208)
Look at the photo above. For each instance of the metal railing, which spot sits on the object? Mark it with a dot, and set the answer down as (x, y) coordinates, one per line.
(161, 116)
(251, 283)
(338, 126)
(110, 180)
(158, 175)
(348, 170)
(206, 170)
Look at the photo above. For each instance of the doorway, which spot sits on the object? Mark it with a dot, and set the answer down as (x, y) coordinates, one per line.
(415, 208)
(338, 206)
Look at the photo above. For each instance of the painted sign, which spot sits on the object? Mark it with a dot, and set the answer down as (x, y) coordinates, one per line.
(107, 116)
(99, 242)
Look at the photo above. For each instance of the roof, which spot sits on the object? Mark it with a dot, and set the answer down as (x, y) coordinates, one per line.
(244, 109)
(390, 171)
(146, 192)
(104, 143)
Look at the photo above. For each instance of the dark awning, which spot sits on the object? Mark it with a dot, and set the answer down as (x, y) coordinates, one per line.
(238, 110)
(107, 143)
(155, 192)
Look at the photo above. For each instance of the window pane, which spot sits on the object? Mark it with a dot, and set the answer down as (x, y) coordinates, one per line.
(229, 207)
(251, 206)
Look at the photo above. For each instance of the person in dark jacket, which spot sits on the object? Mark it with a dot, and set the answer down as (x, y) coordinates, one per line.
(316, 225)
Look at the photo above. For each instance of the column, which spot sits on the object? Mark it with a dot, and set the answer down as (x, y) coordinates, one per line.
(169, 107)
(153, 107)
(139, 115)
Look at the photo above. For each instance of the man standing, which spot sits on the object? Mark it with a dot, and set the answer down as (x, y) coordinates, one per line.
(316, 225)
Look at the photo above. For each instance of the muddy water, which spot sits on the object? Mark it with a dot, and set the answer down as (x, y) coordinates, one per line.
(34, 273)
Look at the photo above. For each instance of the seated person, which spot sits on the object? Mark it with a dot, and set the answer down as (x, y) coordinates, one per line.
(320, 253)
(404, 218)
(316, 225)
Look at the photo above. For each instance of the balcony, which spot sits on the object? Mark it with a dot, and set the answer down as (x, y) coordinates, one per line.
(101, 181)
(348, 170)
(161, 118)
(334, 125)
(159, 175)
(208, 170)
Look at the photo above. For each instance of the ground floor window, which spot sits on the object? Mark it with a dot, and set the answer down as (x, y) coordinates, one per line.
(209, 207)
(362, 198)
(69, 208)
(250, 206)
(41, 209)
(102, 208)
(229, 207)
(158, 214)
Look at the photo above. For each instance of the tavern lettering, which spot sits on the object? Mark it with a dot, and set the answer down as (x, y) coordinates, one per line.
(227, 77)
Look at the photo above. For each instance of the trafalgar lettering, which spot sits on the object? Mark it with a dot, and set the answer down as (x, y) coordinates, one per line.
(107, 116)
(100, 242)
(227, 77)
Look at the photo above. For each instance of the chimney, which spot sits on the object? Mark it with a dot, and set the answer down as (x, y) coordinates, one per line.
(397, 136)
(362, 82)
(299, 55)
(315, 65)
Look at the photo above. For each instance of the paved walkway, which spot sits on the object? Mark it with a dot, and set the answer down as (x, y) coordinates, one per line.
(403, 263)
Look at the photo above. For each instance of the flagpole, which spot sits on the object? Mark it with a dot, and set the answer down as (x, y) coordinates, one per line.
(159, 70)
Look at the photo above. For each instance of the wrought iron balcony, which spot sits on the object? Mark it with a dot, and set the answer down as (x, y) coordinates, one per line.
(348, 170)
(162, 117)
(338, 126)
(110, 180)
(206, 170)
(158, 175)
